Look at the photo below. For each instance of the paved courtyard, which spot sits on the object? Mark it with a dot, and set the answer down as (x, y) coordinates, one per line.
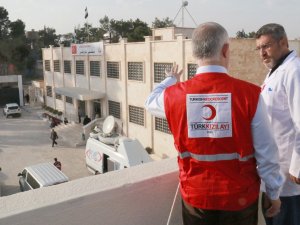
(26, 141)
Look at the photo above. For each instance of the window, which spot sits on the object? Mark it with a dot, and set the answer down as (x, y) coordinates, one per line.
(58, 96)
(157, 38)
(162, 125)
(114, 109)
(159, 71)
(56, 64)
(192, 69)
(49, 91)
(135, 71)
(80, 67)
(47, 65)
(136, 115)
(95, 68)
(69, 100)
(32, 182)
(113, 70)
(67, 66)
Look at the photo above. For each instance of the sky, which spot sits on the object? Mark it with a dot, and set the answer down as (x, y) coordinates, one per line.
(234, 15)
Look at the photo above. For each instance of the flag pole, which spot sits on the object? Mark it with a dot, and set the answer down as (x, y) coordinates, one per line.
(86, 15)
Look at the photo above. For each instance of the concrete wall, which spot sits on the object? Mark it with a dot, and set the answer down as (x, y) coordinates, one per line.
(134, 196)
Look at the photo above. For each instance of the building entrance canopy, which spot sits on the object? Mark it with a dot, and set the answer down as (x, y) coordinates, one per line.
(79, 93)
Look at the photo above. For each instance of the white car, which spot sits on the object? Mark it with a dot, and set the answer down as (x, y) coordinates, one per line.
(11, 109)
(40, 175)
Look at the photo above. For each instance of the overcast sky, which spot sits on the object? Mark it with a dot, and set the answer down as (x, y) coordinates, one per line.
(234, 15)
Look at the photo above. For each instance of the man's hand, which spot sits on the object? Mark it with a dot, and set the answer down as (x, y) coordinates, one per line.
(295, 179)
(174, 72)
(272, 206)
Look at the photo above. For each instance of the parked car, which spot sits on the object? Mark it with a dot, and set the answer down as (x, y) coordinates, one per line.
(12, 109)
(40, 175)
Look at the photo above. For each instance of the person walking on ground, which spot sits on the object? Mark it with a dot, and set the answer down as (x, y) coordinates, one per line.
(222, 135)
(57, 163)
(66, 121)
(281, 92)
(53, 137)
(86, 120)
(27, 98)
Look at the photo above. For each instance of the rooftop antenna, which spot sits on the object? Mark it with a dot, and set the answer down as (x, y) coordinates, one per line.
(182, 8)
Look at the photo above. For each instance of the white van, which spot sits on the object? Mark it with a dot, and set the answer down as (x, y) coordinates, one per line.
(106, 150)
(40, 175)
(102, 158)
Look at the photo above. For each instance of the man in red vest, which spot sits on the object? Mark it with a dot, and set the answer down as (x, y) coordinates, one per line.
(222, 135)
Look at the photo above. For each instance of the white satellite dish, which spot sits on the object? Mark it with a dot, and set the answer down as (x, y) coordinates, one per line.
(108, 125)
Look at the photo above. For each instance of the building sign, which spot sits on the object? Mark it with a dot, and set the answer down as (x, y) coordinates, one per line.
(209, 115)
(95, 48)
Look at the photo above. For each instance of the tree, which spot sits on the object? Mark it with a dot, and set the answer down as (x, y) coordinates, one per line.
(13, 45)
(166, 22)
(4, 23)
(112, 29)
(252, 34)
(242, 34)
(47, 37)
(66, 39)
(116, 29)
(139, 30)
(88, 33)
(105, 23)
(17, 29)
(96, 34)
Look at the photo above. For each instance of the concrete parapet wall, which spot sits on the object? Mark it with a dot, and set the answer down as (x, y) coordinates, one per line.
(137, 195)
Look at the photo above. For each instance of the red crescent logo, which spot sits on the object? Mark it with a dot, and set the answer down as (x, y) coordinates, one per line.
(213, 112)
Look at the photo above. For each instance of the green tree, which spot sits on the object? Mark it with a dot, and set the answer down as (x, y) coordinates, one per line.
(166, 22)
(252, 34)
(17, 29)
(4, 23)
(13, 45)
(242, 34)
(66, 39)
(82, 34)
(134, 31)
(105, 23)
(139, 30)
(47, 37)
(88, 33)
(96, 34)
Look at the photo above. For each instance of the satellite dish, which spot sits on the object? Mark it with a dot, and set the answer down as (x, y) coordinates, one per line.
(108, 125)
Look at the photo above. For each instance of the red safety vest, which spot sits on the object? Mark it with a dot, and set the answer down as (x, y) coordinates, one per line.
(216, 154)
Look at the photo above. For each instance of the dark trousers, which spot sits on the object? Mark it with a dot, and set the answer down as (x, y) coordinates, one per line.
(53, 142)
(289, 212)
(196, 216)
